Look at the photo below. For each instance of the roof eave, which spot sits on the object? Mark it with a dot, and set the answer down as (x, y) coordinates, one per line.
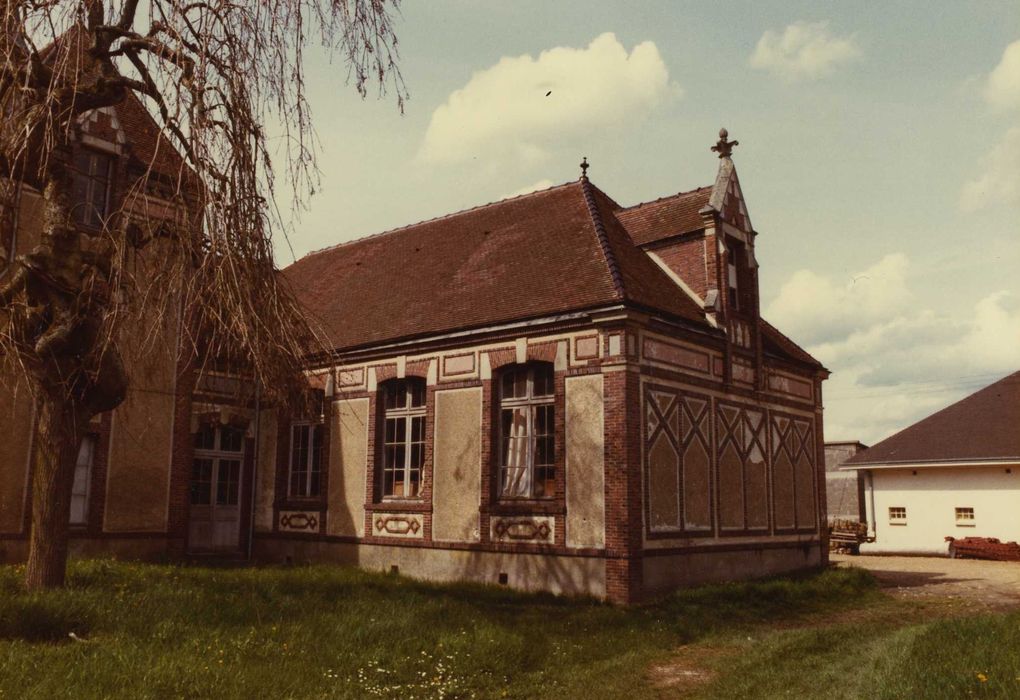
(969, 462)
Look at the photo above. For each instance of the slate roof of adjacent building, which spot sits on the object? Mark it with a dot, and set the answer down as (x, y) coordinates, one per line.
(544, 253)
(650, 222)
(982, 426)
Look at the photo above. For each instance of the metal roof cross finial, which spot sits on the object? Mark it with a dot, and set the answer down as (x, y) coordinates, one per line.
(723, 147)
(584, 167)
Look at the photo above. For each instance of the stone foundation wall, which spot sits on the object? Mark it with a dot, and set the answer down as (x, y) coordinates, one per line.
(666, 571)
(572, 575)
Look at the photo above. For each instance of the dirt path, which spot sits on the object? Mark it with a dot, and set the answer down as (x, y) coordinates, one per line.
(985, 584)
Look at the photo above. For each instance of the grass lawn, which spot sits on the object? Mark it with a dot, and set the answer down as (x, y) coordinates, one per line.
(146, 631)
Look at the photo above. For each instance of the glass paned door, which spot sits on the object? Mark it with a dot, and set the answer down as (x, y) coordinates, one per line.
(214, 520)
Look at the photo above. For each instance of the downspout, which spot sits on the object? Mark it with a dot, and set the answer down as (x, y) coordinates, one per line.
(255, 467)
(872, 519)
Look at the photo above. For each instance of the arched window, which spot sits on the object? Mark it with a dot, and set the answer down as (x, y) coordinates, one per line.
(527, 461)
(403, 447)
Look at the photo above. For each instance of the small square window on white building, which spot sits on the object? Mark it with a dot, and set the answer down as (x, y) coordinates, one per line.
(965, 517)
(897, 515)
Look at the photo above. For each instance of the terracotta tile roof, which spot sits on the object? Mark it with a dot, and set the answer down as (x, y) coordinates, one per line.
(776, 343)
(983, 426)
(548, 252)
(148, 144)
(669, 216)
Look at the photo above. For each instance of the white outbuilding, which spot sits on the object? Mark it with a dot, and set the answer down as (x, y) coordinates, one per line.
(955, 474)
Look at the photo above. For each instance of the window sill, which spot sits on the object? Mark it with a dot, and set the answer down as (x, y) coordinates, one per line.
(399, 507)
(298, 502)
(966, 524)
(550, 506)
(900, 524)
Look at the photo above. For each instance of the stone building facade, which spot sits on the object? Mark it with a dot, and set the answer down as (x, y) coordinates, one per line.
(552, 391)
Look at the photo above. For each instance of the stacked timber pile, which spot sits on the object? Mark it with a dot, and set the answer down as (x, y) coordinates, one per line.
(983, 548)
(846, 536)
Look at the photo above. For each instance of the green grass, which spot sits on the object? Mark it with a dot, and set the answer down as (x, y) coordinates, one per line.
(877, 658)
(323, 632)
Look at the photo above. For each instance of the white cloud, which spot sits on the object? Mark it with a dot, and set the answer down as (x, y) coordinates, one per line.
(1002, 90)
(804, 51)
(522, 105)
(895, 361)
(534, 187)
(999, 182)
(814, 309)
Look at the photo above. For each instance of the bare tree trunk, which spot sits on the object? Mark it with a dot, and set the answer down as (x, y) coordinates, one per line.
(59, 435)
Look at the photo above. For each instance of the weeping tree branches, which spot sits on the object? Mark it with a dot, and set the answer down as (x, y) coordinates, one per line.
(216, 88)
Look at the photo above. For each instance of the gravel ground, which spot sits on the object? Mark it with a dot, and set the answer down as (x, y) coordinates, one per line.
(991, 584)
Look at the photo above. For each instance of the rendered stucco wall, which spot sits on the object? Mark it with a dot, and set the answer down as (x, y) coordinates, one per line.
(265, 486)
(348, 463)
(139, 469)
(15, 402)
(931, 497)
(141, 439)
(457, 465)
(585, 440)
(16, 425)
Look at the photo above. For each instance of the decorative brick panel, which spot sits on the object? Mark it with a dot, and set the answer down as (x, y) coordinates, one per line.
(300, 521)
(402, 525)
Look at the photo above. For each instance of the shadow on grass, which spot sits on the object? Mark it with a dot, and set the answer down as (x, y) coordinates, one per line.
(106, 595)
(42, 618)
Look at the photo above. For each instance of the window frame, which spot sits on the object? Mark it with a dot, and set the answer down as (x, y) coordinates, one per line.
(965, 516)
(311, 470)
(93, 441)
(216, 454)
(82, 211)
(897, 515)
(531, 403)
(408, 412)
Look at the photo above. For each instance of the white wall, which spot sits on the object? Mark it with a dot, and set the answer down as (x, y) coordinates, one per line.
(931, 496)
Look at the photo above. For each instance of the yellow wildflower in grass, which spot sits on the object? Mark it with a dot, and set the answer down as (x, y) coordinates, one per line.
(982, 677)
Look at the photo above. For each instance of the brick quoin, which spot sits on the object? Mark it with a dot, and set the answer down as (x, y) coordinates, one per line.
(623, 486)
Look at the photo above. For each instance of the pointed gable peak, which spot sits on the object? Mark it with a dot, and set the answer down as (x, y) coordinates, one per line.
(727, 198)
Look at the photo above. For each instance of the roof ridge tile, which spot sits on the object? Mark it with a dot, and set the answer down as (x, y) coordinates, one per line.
(665, 197)
(603, 237)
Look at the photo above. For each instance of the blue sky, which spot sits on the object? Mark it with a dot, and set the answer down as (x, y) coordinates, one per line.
(880, 157)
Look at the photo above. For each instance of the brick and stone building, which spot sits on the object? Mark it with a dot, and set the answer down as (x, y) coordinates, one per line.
(552, 391)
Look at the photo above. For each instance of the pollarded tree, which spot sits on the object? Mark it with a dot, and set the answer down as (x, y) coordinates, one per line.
(218, 76)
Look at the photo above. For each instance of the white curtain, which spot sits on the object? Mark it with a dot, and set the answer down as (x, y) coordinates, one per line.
(516, 473)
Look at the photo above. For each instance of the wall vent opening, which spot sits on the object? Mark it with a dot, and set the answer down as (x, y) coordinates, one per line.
(503, 578)
(394, 569)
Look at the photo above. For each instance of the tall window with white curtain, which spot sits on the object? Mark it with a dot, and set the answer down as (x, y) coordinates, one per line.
(527, 432)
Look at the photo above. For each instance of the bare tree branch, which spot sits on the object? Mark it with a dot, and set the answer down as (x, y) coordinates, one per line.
(189, 245)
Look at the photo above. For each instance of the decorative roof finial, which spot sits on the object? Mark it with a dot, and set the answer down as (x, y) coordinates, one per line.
(723, 147)
(584, 167)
